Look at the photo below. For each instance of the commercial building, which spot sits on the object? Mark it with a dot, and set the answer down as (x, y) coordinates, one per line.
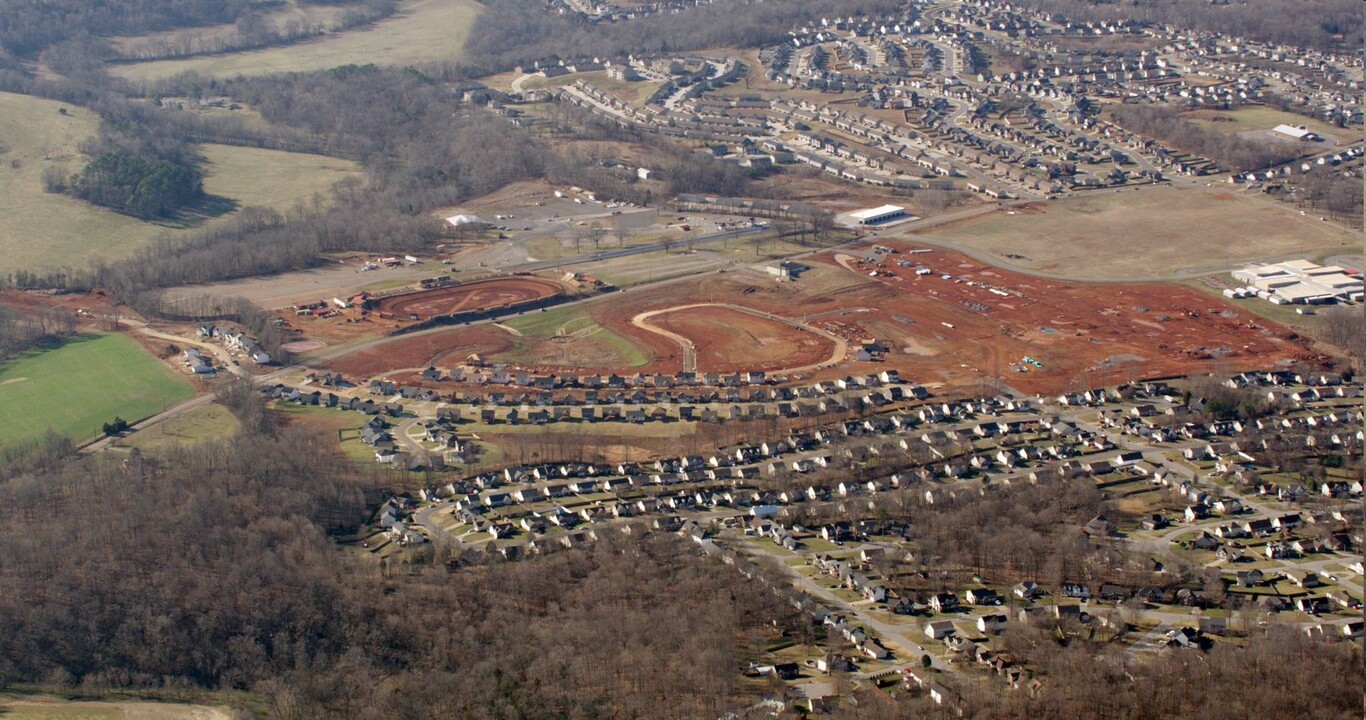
(1297, 133)
(1297, 282)
(875, 216)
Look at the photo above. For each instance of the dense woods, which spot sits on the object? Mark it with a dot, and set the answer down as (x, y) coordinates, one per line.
(214, 567)
(1279, 673)
(1309, 24)
(1227, 149)
(144, 187)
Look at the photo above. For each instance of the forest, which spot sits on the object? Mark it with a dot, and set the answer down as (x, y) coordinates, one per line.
(31, 328)
(144, 187)
(218, 567)
(1230, 150)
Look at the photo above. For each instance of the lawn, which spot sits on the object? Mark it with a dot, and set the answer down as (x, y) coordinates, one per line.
(422, 31)
(593, 344)
(1148, 232)
(208, 422)
(1258, 117)
(40, 230)
(80, 385)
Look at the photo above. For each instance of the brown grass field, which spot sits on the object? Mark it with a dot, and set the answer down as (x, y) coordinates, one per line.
(1145, 233)
(422, 31)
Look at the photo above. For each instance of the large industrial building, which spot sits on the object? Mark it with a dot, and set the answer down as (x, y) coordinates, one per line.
(883, 215)
(1298, 282)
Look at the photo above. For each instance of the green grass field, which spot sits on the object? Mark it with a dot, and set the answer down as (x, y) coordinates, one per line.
(422, 31)
(592, 343)
(550, 323)
(40, 230)
(80, 385)
(209, 422)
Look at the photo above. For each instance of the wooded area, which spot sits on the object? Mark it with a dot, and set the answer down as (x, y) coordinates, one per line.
(216, 567)
(20, 331)
(1234, 152)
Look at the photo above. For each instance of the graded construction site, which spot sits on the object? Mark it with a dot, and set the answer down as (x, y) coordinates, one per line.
(936, 316)
(467, 297)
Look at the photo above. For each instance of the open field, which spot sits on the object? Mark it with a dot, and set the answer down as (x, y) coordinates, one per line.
(472, 296)
(422, 31)
(270, 178)
(82, 384)
(559, 321)
(591, 347)
(1257, 118)
(1145, 232)
(569, 338)
(40, 230)
(44, 708)
(204, 423)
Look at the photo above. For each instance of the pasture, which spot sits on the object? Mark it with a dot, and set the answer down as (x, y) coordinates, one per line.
(422, 31)
(1253, 118)
(202, 424)
(79, 385)
(51, 708)
(1144, 232)
(46, 231)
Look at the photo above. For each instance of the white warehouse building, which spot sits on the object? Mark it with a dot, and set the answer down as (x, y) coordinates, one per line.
(1298, 282)
(875, 216)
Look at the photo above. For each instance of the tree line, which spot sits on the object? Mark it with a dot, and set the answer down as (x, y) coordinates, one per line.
(253, 31)
(1228, 149)
(26, 330)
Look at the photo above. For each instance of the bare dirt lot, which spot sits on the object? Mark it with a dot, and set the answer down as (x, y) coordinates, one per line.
(1148, 232)
(730, 340)
(982, 322)
(450, 347)
(471, 296)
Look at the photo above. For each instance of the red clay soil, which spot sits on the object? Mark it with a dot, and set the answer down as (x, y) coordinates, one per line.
(446, 348)
(1086, 335)
(471, 296)
(728, 340)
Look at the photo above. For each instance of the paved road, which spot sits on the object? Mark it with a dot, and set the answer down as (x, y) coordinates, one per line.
(897, 635)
